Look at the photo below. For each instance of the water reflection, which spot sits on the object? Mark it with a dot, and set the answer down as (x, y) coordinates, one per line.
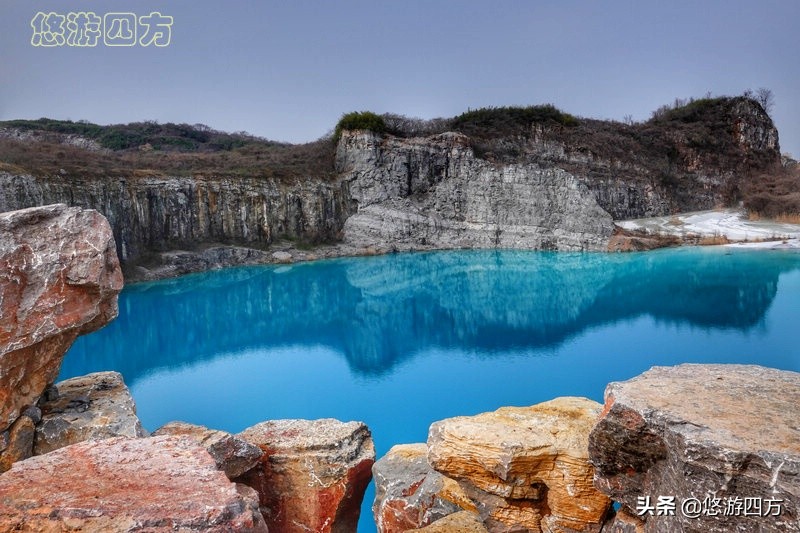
(377, 312)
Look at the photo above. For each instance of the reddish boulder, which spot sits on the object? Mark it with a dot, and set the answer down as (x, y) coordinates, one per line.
(156, 484)
(59, 278)
(312, 474)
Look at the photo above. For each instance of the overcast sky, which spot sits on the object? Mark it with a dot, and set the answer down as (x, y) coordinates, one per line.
(287, 70)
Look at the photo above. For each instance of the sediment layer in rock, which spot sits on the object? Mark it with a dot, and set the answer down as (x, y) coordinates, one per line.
(526, 468)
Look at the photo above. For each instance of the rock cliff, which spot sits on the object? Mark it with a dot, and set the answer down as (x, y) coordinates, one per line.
(434, 192)
(159, 214)
(484, 184)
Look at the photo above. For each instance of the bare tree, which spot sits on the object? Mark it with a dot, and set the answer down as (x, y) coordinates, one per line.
(766, 98)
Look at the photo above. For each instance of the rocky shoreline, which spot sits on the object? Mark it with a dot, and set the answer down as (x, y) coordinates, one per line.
(711, 448)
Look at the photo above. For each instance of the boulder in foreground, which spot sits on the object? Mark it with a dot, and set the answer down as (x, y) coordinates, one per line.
(410, 494)
(526, 468)
(720, 444)
(59, 278)
(312, 473)
(92, 407)
(158, 484)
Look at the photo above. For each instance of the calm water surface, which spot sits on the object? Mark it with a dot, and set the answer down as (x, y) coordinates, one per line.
(401, 341)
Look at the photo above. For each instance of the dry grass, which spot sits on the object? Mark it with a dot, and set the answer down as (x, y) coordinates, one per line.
(283, 162)
(783, 218)
(774, 195)
(713, 240)
(791, 218)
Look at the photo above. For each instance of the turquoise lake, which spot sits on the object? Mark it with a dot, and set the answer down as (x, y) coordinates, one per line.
(400, 341)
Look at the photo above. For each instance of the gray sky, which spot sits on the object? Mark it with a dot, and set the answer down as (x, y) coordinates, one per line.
(287, 70)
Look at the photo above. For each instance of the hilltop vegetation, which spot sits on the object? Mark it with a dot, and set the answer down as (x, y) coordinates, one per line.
(149, 148)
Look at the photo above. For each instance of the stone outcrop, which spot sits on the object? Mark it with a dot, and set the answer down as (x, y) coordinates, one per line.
(720, 437)
(233, 455)
(17, 442)
(312, 474)
(409, 494)
(157, 484)
(179, 213)
(92, 407)
(461, 522)
(526, 468)
(59, 278)
(434, 192)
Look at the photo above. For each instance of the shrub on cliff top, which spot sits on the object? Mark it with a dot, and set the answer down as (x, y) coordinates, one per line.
(691, 110)
(500, 120)
(360, 120)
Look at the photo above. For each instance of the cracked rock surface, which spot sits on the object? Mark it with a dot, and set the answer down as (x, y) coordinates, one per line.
(711, 434)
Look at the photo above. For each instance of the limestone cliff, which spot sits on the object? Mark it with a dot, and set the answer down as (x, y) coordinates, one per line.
(159, 214)
(434, 192)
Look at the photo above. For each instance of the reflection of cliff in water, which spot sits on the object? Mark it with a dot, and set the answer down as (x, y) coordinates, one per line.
(379, 311)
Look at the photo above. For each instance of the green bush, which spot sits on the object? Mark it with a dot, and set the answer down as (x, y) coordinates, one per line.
(363, 120)
(691, 110)
(502, 119)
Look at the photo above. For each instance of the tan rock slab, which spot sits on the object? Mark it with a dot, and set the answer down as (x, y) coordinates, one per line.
(526, 468)
(461, 522)
(692, 432)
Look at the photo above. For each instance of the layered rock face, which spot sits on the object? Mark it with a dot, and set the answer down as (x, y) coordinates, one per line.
(460, 522)
(526, 468)
(59, 278)
(409, 494)
(157, 484)
(312, 473)
(703, 448)
(92, 407)
(434, 192)
(159, 214)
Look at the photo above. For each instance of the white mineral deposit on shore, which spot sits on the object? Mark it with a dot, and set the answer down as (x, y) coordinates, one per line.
(730, 223)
